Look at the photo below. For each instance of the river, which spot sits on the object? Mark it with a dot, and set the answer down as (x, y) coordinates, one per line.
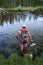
(11, 22)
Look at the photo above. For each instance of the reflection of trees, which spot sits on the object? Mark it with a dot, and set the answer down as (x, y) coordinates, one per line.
(23, 16)
(35, 17)
(2, 18)
(19, 16)
(5, 17)
(14, 16)
(11, 18)
(29, 17)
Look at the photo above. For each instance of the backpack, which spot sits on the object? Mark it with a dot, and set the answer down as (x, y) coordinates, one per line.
(24, 35)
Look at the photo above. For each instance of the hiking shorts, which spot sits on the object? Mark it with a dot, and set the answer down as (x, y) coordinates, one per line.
(23, 45)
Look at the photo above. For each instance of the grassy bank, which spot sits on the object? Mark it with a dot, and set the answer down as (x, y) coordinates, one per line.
(20, 9)
(14, 59)
(34, 10)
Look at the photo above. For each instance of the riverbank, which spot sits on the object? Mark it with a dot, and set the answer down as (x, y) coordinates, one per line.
(14, 59)
(36, 10)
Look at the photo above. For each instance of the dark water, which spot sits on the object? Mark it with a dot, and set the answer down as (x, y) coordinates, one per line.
(11, 22)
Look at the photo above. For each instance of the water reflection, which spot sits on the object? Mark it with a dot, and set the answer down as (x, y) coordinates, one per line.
(10, 23)
(12, 20)
(15, 16)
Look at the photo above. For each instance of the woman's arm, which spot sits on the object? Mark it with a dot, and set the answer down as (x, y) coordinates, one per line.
(30, 37)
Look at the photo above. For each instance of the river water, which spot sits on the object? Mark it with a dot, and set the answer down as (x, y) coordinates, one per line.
(11, 22)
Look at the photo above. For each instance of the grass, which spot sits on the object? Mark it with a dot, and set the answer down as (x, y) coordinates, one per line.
(20, 9)
(34, 10)
(14, 59)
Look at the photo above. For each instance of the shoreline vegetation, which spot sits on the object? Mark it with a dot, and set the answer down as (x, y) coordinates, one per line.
(34, 10)
(14, 59)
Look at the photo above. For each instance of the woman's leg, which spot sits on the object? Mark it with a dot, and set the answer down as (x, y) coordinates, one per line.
(21, 49)
(21, 46)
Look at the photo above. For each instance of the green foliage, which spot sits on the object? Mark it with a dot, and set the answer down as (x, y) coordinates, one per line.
(16, 3)
(26, 60)
(38, 11)
(39, 60)
(14, 59)
(3, 61)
